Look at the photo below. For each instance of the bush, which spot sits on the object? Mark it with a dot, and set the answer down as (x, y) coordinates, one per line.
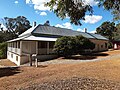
(83, 44)
(3, 50)
(67, 46)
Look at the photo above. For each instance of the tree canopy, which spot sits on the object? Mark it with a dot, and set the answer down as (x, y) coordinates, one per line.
(14, 27)
(76, 9)
(68, 46)
(117, 33)
(113, 5)
(107, 29)
(17, 25)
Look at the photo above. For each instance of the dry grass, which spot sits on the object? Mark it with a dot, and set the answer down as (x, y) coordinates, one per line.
(6, 62)
(105, 69)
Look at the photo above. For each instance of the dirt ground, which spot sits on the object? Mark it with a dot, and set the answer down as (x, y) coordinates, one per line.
(6, 62)
(11, 78)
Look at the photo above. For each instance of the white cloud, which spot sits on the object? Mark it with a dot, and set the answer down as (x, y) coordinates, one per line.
(92, 19)
(90, 2)
(43, 13)
(94, 31)
(38, 4)
(81, 30)
(65, 25)
(16, 2)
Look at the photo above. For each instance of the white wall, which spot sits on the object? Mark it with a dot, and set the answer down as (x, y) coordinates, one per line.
(100, 45)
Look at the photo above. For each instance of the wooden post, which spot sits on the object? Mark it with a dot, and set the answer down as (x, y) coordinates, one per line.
(30, 59)
(21, 47)
(48, 47)
(36, 60)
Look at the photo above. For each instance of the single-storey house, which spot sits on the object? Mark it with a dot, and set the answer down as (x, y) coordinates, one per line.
(40, 40)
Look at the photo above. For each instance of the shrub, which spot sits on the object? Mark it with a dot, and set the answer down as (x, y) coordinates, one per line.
(3, 50)
(68, 46)
(65, 46)
(83, 44)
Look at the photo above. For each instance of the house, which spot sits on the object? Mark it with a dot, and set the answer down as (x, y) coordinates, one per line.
(40, 40)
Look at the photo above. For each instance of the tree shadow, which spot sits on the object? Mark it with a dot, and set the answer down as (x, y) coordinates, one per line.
(86, 56)
(8, 71)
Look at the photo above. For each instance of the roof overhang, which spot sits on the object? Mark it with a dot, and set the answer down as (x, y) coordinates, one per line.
(34, 38)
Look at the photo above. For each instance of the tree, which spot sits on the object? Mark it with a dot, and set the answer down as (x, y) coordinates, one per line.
(76, 9)
(5, 36)
(117, 33)
(17, 25)
(83, 44)
(113, 6)
(107, 29)
(3, 50)
(68, 46)
(65, 46)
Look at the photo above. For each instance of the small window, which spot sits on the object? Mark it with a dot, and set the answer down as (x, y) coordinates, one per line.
(16, 58)
(42, 44)
(51, 44)
(105, 45)
(11, 55)
(101, 46)
(18, 44)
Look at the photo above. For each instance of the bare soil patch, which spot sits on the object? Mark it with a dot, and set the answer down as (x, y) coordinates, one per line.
(104, 73)
(6, 62)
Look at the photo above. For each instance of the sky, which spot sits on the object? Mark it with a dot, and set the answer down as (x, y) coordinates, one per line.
(34, 10)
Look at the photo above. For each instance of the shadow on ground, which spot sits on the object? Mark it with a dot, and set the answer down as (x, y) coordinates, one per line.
(8, 71)
(87, 57)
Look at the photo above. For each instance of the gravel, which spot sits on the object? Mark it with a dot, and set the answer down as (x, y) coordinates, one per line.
(76, 83)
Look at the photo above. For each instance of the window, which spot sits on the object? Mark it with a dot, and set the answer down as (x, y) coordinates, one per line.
(51, 44)
(11, 55)
(105, 45)
(101, 46)
(16, 58)
(42, 44)
(18, 44)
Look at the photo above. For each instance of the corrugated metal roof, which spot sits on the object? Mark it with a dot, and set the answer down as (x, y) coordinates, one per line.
(58, 31)
(51, 30)
(97, 36)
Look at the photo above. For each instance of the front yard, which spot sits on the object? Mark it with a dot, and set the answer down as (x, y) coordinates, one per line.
(100, 74)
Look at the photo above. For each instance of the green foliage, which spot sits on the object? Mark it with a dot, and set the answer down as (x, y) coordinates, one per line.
(65, 46)
(3, 50)
(117, 33)
(5, 36)
(113, 6)
(74, 9)
(107, 29)
(17, 25)
(83, 43)
(68, 46)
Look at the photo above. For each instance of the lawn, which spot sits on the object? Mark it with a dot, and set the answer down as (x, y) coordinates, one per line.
(101, 74)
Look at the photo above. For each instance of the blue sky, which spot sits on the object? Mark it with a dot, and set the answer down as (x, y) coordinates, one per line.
(34, 10)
